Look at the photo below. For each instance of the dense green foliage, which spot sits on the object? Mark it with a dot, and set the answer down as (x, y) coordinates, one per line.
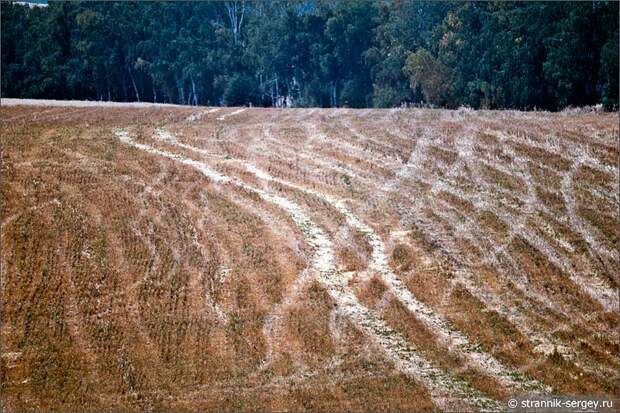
(378, 53)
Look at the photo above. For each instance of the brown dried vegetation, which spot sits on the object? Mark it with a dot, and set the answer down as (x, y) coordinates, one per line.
(131, 281)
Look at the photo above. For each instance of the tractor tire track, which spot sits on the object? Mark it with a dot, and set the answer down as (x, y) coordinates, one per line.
(379, 264)
(447, 391)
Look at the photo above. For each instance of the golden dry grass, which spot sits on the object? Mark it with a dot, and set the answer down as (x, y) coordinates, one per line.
(132, 281)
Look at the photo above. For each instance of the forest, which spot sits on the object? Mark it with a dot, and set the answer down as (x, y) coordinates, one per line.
(312, 53)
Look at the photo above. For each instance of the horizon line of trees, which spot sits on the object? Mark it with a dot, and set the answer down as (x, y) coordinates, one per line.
(353, 53)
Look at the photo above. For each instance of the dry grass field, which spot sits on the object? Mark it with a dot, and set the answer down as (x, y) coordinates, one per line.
(238, 259)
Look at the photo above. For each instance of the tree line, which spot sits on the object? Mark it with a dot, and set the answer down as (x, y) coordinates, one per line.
(346, 53)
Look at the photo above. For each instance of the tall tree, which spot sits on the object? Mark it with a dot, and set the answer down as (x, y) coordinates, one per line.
(356, 53)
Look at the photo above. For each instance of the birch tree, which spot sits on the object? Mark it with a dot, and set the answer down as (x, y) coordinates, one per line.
(235, 11)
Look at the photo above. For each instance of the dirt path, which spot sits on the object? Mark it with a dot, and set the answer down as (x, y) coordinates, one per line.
(590, 234)
(379, 264)
(466, 153)
(446, 391)
(199, 115)
(233, 113)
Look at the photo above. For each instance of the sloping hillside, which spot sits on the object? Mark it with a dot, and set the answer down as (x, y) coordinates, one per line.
(305, 259)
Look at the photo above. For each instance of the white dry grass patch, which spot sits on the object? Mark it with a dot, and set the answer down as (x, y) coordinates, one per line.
(83, 103)
(468, 228)
(379, 264)
(487, 197)
(589, 233)
(230, 114)
(447, 391)
(447, 220)
(194, 117)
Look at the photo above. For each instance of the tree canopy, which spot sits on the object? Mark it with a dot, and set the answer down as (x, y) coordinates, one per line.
(356, 53)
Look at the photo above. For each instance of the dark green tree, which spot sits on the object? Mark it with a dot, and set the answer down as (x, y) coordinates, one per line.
(357, 53)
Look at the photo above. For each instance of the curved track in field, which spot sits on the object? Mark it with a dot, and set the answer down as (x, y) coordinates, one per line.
(306, 259)
(446, 391)
(379, 265)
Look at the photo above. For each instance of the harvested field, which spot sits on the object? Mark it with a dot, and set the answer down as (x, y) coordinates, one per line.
(179, 258)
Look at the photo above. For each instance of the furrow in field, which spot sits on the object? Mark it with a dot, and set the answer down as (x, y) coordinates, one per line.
(230, 114)
(273, 321)
(606, 296)
(581, 158)
(489, 250)
(352, 131)
(347, 148)
(514, 276)
(454, 338)
(270, 142)
(533, 204)
(562, 149)
(194, 117)
(8, 220)
(498, 304)
(514, 315)
(446, 391)
(592, 285)
(590, 234)
(379, 264)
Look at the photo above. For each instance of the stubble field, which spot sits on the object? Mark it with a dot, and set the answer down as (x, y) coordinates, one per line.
(228, 259)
